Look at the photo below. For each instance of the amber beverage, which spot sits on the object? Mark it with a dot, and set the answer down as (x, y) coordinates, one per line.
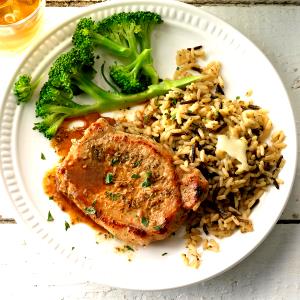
(19, 22)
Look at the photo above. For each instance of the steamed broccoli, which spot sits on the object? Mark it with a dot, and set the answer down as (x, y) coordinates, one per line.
(129, 78)
(55, 102)
(88, 36)
(125, 35)
(24, 88)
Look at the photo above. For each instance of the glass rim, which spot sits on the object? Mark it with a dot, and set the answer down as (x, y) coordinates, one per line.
(20, 22)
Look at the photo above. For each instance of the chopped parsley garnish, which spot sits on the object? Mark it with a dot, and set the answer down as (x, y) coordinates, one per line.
(115, 161)
(112, 196)
(158, 227)
(94, 202)
(174, 101)
(135, 176)
(50, 218)
(164, 254)
(173, 116)
(129, 248)
(137, 163)
(109, 178)
(145, 221)
(90, 210)
(43, 156)
(73, 248)
(67, 225)
(147, 119)
(147, 182)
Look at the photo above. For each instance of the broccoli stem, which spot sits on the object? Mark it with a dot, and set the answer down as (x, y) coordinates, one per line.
(138, 63)
(150, 71)
(112, 47)
(106, 101)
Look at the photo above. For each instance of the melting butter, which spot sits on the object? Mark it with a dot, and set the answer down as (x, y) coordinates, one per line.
(234, 147)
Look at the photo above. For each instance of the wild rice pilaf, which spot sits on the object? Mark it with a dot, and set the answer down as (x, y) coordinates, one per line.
(189, 121)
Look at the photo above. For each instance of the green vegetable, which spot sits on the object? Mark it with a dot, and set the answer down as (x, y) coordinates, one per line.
(112, 196)
(67, 225)
(122, 34)
(129, 248)
(135, 176)
(136, 163)
(115, 161)
(145, 221)
(24, 88)
(90, 210)
(147, 182)
(73, 69)
(109, 178)
(50, 218)
(129, 78)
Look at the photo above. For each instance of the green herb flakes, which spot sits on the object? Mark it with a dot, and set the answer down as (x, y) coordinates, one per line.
(174, 101)
(147, 182)
(145, 221)
(43, 156)
(129, 248)
(90, 210)
(115, 161)
(72, 248)
(164, 254)
(158, 227)
(237, 97)
(51, 198)
(109, 178)
(67, 225)
(137, 163)
(135, 176)
(173, 115)
(112, 196)
(94, 202)
(50, 218)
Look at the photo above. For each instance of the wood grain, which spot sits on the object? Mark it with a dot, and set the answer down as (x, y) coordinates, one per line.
(32, 271)
(64, 3)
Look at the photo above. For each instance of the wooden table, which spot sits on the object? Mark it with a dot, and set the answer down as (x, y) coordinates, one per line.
(29, 271)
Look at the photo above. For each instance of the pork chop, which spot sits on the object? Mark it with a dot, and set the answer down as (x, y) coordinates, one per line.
(128, 184)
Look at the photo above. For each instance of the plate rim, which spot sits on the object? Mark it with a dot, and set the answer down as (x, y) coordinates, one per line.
(177, 5)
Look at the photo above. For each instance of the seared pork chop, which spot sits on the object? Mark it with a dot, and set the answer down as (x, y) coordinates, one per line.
(128, 184)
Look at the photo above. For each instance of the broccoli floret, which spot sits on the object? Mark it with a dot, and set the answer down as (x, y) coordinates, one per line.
(88, 36)
(125, 35)
(55, 102)
(147, 21)
(129, 78)
(24, 88)
(68, 66)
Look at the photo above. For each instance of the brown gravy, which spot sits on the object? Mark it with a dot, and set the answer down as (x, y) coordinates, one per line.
(62, 143)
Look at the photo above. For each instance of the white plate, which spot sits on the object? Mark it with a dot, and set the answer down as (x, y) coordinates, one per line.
(244, 67)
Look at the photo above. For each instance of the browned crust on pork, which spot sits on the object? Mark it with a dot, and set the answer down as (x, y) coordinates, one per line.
(131, 211)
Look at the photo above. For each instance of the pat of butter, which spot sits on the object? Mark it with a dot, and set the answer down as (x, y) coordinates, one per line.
(234, 147)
